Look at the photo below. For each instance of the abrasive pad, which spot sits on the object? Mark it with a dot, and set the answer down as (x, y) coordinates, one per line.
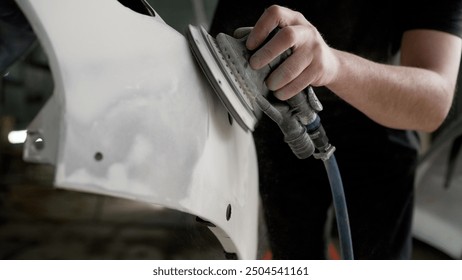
(224, 61)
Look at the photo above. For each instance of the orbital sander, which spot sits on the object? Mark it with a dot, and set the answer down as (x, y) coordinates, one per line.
(242, 90)
(225, 62)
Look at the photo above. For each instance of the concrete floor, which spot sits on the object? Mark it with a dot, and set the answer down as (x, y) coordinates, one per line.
(38, 221)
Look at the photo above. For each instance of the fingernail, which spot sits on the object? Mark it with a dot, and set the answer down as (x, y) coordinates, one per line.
(255, 61)
(273, 81)
(279, 95)
(250, 44)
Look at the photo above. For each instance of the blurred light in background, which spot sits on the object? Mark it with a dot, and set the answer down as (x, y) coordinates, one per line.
(17, 137)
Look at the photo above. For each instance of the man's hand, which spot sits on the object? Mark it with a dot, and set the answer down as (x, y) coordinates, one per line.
(312, 61)
(415, 95)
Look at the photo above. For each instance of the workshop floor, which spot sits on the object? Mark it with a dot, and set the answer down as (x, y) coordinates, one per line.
(38, 221)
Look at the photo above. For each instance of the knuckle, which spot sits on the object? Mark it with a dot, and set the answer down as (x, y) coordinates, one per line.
(313, 39)
(316, 47)
(278, 15)
(287, 72)
(313, 32)
(266, 53)
(289, 35)
(299, 16)
(274, 10)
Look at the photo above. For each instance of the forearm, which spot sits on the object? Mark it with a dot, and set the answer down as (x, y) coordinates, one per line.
(416, 95)
(394, 96)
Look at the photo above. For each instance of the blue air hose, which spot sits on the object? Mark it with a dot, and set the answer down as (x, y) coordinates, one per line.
(340, 207)
(304, 134)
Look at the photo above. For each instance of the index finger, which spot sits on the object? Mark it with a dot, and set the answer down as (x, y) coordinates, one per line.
(274, 16)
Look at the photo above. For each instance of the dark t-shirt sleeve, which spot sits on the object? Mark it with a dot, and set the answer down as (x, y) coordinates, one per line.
(442, 15)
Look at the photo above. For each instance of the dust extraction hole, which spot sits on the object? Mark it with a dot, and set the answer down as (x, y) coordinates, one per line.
(39, 144)
(230, 119)
(98, 156)
(228, 212)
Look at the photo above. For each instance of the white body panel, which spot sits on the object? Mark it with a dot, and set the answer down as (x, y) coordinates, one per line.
(132, 116)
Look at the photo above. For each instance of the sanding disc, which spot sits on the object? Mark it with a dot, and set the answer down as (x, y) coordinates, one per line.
(213, 64)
